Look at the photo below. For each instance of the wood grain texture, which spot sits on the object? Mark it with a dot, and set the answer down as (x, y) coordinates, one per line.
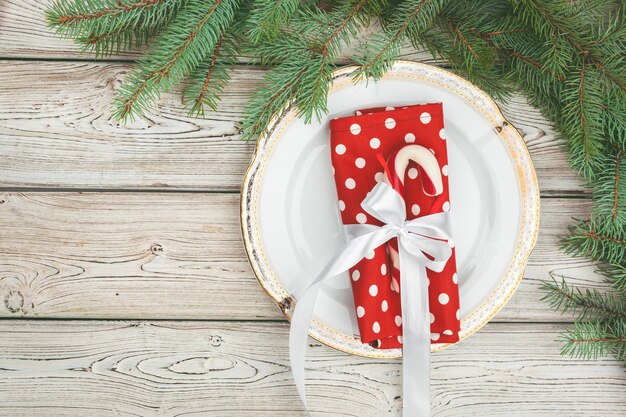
(56, 131)
(85, 369)
(25, 34)
(180, 256)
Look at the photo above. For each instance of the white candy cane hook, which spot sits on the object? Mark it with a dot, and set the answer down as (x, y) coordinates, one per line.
(433, 184)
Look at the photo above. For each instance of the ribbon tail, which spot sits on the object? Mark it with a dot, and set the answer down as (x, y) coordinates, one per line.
(415, 336)
(348, 256)
(298, 334)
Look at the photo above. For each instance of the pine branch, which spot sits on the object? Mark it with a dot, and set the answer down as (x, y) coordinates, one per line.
(610, 188)
(587, 304)
(598, 238)
(269, 17)
(615, 117)
(583, 112)
(550, 20)
(207, 82)
(591, 340)
(72, 14)
(212, 82)
(606, 48)
(578, 25)
(456, 36)
(306, 55)
(110, 26)
(521, 53)
(582, 99)
(188, 40)
(616, 276)
(264, 103)
(407, 20)
(118, 41)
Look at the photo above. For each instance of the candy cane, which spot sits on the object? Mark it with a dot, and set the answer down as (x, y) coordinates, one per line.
(432, 185)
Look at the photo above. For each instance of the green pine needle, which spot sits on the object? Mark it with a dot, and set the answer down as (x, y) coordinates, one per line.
(188, 40)
(111, 26)
(610, 188)
(615, 275)
(269, 17)
(594, 339)
(304, 59)
(407, 20)
(206, 84)
(598, 238)
(585, 304)
(456, 36)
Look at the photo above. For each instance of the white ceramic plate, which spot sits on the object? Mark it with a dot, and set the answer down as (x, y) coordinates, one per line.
(291, 223)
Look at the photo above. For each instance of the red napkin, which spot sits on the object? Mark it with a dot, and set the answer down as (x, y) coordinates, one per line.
(360, 146)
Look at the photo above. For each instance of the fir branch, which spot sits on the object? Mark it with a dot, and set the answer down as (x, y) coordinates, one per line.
(265, 103)
(306, 56)
(582, 105)
(615, 275)
(573, 24)
(586, 304)
(549, 20)
(456, 37)
(580, 101)
(109, 26)
(328, 51)
(610, 188)
(520, 53)
(117, 41)
(108, 8)
(208, 81)
(598, 238)
(189, 39)
(618, 207)
(269, 17)
(591, 340)
(408, 19)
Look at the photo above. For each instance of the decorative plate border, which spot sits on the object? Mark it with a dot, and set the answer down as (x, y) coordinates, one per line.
(516, 149)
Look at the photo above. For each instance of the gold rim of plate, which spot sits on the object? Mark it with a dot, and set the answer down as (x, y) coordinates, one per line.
(516, 148)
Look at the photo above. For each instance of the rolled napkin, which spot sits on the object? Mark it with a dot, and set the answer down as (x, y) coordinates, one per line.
(406, 148)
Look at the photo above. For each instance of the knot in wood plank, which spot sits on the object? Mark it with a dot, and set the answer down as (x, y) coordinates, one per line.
(14, 301)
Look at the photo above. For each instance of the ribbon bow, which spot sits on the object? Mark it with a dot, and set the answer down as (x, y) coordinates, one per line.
(423, 244)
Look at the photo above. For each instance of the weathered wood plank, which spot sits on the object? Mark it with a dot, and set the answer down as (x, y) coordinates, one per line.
(86, 369)
(25, 34)
(180, 256)
(56, 130)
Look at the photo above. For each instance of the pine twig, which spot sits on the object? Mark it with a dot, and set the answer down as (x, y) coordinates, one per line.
(269, 17)
(591, 340)
(407, 20)
(107, 26)
(207, 82)
(306, 58)
(190, 38)
(615, 275)
(586, 304)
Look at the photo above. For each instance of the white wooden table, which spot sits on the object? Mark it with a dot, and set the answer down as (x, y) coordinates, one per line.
(125, 290)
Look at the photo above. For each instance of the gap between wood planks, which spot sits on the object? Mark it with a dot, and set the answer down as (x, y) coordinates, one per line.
(81, 190)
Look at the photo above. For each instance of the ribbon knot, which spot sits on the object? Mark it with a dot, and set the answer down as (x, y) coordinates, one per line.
(423, 244)
(428, 235)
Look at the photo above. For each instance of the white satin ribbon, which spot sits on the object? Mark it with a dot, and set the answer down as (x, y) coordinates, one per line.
(427, 235)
